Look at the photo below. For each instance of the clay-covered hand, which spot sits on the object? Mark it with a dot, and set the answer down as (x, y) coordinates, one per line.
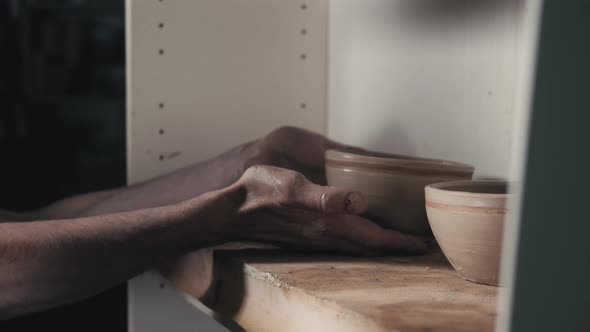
(280, 206)
(293, 148)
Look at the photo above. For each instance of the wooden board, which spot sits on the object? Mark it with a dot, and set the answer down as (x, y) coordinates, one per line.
(271, 290)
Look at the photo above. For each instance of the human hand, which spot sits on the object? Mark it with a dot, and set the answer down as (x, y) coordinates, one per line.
(282, 207)
(293, 148)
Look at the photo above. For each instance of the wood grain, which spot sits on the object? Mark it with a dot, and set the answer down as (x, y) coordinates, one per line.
(272, 290)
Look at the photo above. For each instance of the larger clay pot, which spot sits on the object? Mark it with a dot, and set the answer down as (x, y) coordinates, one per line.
(392, 184)
(467, 218)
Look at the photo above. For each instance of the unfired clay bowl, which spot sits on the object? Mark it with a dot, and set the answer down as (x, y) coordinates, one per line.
(467, 219)
(392, 184)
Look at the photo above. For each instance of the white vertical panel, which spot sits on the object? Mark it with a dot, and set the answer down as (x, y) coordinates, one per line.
(426, 77)
(219, 72)
(203, 76)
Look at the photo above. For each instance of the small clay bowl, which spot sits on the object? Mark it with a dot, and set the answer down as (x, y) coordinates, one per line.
(467, 219)
(392, 184)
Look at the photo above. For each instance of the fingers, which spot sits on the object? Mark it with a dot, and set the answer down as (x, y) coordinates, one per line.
(315, 175)
(361, 231)
(329, 199)
(346, 233)
(271, 186)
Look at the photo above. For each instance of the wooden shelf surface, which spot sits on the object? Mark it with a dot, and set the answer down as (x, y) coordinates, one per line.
(272, 290)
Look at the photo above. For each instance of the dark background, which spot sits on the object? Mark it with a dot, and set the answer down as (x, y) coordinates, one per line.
(62, 124)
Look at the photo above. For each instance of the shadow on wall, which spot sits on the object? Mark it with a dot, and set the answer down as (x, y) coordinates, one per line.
(426, 12)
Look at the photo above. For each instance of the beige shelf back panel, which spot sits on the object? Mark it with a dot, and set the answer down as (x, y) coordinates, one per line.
(206, 75)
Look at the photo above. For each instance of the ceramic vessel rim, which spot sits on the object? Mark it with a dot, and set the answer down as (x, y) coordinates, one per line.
(437, 194)
(443, 187)
(411, 162)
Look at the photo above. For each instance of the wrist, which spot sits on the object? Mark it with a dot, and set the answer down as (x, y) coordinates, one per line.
(209, 217)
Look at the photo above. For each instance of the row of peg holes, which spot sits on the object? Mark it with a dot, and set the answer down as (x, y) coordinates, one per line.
(302, 56)
(161, 106)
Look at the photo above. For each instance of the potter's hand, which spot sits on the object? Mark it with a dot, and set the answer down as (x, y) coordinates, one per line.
(293, 148)
(281, 206)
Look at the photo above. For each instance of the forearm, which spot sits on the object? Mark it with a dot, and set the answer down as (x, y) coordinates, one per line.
(47, 263)
(194, 180)
(70, 207)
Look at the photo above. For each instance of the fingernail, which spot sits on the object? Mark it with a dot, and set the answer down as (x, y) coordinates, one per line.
(353, 200)
(349, 203)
